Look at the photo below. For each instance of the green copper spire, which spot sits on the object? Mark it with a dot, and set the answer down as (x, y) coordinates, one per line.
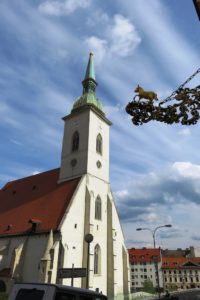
(89, 83)
(90, 68)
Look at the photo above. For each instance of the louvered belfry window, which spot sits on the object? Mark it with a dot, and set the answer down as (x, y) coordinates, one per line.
(75, 141)
(99, 144)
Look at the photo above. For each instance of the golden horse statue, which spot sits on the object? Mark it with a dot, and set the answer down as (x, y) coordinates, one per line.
(145, 94)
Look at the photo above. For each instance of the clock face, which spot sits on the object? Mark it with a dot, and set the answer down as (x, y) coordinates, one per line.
(73, 162)
(98, 164)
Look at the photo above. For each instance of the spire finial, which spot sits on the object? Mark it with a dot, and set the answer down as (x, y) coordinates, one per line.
(90, 73)
(89, 82)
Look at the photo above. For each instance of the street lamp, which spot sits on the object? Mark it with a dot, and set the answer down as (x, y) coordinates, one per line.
(153, 232)
(88, 239)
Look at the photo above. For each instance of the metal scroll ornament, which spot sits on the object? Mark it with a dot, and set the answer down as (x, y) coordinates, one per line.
(184, 108)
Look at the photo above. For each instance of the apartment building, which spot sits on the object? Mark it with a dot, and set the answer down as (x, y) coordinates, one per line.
(145, 264)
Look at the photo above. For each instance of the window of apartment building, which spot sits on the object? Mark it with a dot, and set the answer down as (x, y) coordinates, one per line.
(170, 271)
(145, 270)
(164, 271)
(132, 276)
(145, 276)
(141, 270)
(165, 279)
(174, 271)
(197, 279)
(175, 279)
(150, 270)
(141, 276)
(179, 271)
(186, 279)
(170, 279)
(136, 276)
(181, 279)
(185, 272)
(151, 276)
(136, 270)
(132, 270)
(190, 271)
(133, 283)
(191, 279)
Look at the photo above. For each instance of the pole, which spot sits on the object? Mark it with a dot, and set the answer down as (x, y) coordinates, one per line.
(88, 266)
(72, 279)
(88, 239)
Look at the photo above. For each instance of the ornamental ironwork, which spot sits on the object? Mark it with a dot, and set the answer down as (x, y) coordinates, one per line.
(184, 107)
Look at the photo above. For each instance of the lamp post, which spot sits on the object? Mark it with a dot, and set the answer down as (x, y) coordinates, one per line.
(153, 232)
(88, 239)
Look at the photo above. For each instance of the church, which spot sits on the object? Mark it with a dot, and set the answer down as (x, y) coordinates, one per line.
(46, 217)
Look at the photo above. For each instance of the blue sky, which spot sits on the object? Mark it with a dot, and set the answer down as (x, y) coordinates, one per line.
(44, 46)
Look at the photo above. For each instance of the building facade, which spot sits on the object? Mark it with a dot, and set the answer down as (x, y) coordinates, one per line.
(144, 264)
(180, 273)
(45, 217)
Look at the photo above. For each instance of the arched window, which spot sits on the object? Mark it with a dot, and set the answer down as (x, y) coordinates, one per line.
(75, 141)
(99, 144)
(97, 259)
(98, 208)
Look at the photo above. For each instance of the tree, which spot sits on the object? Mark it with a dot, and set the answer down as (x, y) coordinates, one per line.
(148, 286)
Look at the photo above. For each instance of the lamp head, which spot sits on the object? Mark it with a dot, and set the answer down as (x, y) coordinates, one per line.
(138, 229)
(168, 225)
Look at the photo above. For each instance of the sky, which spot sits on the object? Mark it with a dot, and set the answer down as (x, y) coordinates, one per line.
(44, 48)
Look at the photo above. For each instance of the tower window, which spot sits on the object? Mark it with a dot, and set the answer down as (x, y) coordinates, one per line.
(97, 260)
(75, 141)
(99, 144)
(98, 208)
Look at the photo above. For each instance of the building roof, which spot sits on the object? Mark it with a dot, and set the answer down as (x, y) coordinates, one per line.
(144, 255)
(180, 262)
(36, 199)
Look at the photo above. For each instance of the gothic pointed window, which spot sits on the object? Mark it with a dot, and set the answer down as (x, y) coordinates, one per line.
(97, 260)
(99, 144)
(75, 141)
(98, 208)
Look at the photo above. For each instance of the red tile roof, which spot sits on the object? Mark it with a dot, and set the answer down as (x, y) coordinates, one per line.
(5, 272)
(179, 262)
(38, 197)
(143, 255)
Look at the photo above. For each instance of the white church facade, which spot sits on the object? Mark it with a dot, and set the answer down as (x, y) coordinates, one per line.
(45, 217)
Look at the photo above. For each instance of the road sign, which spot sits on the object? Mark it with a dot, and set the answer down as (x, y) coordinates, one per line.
(71, 272)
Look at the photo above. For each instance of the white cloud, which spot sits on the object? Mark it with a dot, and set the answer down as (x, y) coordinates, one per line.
(66, 7)
(185, 132)
(187, 169)
(98, 46)
(120, 38)
(124, 37)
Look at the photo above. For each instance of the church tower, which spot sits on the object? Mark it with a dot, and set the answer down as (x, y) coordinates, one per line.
(85, 147)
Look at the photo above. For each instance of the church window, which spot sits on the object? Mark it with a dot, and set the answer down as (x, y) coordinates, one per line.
(98, 208)
(99, 144)
(75, 141)
(97, 259)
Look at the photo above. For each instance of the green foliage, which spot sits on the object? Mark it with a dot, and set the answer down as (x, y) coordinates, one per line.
(172, 287)
(3, 296)
(148, 287)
